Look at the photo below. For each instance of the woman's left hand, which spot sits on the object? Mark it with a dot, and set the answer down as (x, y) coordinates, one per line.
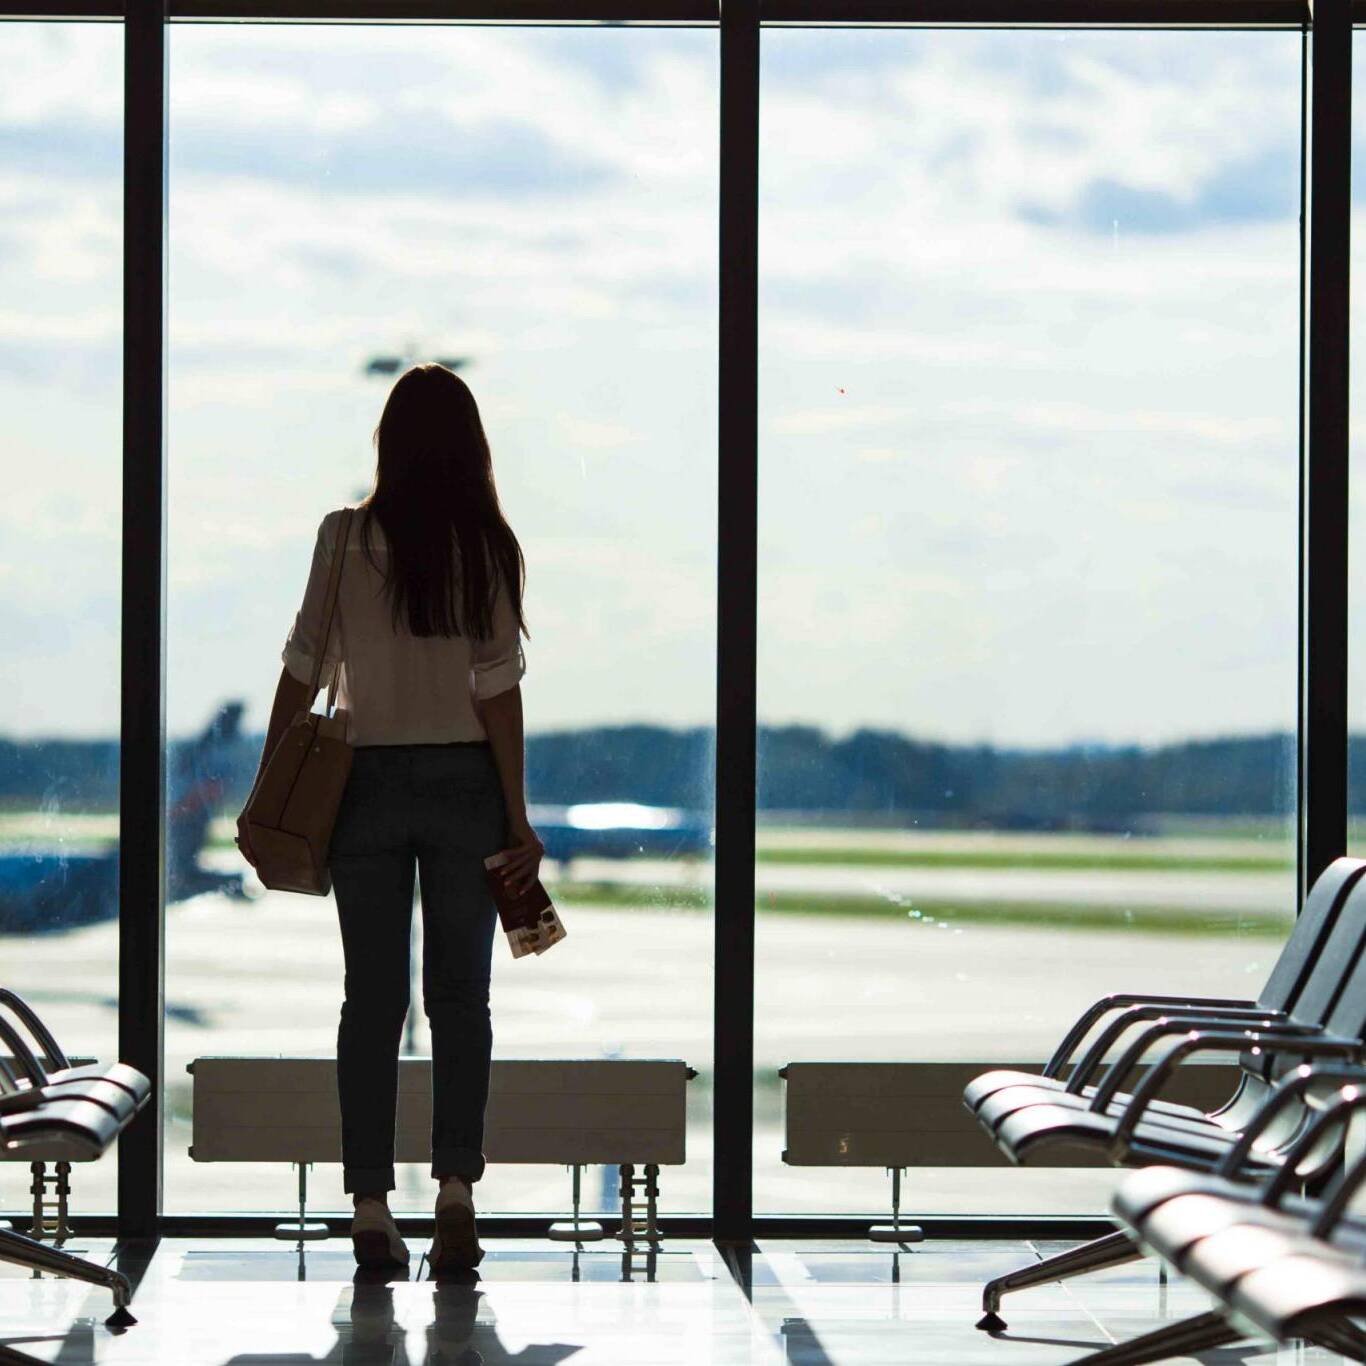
(524, 855)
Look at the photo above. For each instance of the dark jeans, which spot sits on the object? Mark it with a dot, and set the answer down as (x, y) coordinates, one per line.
(437, 811)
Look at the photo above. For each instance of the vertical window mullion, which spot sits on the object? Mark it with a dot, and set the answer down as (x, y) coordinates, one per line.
(736, 624)
(143, 654)
(1323, 532)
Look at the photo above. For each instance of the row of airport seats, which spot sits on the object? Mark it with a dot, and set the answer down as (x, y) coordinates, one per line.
(1248, 1197)
(56, 1111)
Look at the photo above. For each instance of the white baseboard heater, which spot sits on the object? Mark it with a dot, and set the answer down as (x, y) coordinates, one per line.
(623, 1112)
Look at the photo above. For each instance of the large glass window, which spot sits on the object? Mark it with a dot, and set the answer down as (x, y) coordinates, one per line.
(60, 270)
(539, 206)
(1029, 394)
(1028, 533)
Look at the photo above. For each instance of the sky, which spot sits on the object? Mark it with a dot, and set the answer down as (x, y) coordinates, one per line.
(1028, 361)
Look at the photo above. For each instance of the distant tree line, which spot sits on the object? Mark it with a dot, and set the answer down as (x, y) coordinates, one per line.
(871, 773)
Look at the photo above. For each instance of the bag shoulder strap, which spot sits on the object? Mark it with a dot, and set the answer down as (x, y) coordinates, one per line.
(329, 611)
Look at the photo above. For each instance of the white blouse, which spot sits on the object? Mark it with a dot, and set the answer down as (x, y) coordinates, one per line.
(397, 688)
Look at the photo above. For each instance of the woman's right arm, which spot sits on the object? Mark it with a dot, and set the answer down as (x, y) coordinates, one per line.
(497, 665)
(501, 716)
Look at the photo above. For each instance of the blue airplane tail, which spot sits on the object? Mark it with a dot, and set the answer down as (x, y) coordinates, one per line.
(53, 891)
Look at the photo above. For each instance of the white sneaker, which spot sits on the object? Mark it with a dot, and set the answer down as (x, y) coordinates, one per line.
(375, 1236)
(456, 1244)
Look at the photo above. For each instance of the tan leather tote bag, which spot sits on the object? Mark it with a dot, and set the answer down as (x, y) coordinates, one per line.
(293, 804)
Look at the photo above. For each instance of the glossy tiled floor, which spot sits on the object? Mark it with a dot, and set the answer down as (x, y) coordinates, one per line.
(256, 1302)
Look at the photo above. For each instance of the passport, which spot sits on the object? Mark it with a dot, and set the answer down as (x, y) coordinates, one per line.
(529, 919)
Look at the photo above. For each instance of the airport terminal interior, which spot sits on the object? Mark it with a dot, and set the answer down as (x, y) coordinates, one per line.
(928, 427)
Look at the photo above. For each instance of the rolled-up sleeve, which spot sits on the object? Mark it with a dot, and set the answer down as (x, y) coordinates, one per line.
(498, 663)
(301, 646)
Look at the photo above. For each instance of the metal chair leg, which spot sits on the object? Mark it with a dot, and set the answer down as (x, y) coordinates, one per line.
(1114, 1249)
(24, 1251)
(50, 1217)
(1197, 1334)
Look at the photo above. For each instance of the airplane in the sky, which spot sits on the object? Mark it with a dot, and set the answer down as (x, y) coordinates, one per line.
(52, 892)
(387, 365)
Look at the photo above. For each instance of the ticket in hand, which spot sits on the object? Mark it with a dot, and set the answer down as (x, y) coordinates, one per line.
(529, 919)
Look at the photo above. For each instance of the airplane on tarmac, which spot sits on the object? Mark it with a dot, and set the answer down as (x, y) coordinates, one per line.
(53, 892)
(620, 830)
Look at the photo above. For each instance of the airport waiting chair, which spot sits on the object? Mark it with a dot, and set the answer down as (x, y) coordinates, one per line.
(51, 1111)
(1334, 940)
(62, 1113)
(1277, 1263)
(57, 1066)
(1136, 1130)
(1328, 1021)
(27, 1127)
(1304, 951)
(77, 1121)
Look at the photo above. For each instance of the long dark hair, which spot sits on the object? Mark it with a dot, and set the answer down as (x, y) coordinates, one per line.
(435, 500)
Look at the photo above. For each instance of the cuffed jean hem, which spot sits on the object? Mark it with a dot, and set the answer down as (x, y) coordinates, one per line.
(466, 1162)
(367, 1179)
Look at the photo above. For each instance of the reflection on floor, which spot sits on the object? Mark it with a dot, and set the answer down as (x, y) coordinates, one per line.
(240, 1302)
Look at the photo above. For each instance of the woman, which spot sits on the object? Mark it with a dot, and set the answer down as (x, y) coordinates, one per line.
(427, 635)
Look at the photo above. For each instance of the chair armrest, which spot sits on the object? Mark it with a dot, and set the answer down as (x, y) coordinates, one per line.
(1289, 1088)
(42, 1035)
(1336, 1204)
(1105, 1040)
(14, 1102)
(1097, 1011)
(1119, 1070)
(1223, 1041)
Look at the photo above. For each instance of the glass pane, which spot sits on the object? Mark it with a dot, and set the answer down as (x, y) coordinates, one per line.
(539, 206)
(1028, 528)
(61, 224)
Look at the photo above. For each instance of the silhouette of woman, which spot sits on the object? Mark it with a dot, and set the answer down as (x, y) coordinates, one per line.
(428, 639)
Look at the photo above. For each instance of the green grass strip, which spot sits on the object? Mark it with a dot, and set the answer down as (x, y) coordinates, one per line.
(1001, 859)
(930, 915)
(1064, 860)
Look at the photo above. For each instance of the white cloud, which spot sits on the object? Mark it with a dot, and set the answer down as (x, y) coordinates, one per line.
(60, 72)
(846, 417)
(1056, 497)
(594, 435)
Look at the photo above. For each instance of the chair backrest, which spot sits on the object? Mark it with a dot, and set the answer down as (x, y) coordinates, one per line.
(1337, 969)
(24, 1058)
(1347, 1016)
(53, 1057)
(1334, 981)
(1306, 948)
